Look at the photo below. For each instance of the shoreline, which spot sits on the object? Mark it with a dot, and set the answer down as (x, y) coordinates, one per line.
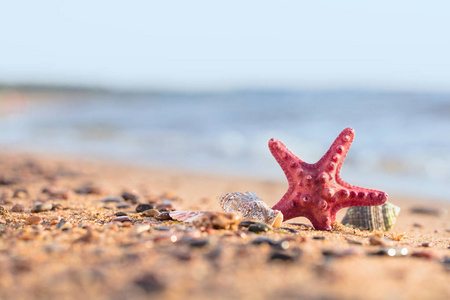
(137, 260)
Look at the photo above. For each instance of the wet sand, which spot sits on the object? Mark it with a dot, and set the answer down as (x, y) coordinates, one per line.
(74, 250)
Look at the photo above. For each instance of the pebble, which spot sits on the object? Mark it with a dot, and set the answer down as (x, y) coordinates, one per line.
(144, 206)
(33, 220)
(246, 223)
(424, 254)
(164, 216)
(259, 227)
(150, 213)
(20, 193)
(318, 237)
(166, 205)
(391, 252)
(377, 241)
(123, 206)
(91, 189)
(428, 244)
(122, 219)
(57, 193)
(111, 200)
(149, 282)
(281, 256)
(289, 229)
(353, 242)
(40, 207)
(120, 214)
(163, 228)
(199, 243)
(18, 208)
(418, 225)
(130, 196)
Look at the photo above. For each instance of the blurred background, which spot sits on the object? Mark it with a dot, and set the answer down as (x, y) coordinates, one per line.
(203, 86)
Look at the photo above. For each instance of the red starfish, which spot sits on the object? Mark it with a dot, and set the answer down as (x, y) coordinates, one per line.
(317, 191)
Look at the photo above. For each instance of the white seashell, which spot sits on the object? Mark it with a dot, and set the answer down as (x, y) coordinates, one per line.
(252, 208)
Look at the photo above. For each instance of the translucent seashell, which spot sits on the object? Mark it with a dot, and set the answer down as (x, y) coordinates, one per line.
(381, 217)
(252, 208)
(186, 215)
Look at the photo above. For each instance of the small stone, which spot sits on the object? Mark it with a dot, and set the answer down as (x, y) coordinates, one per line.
(111, 199)
(353, 242)
(246, 223)
(18, 208)
(392, 252)
(144, 206)
(263, 240)
(149, 282)
(163, 228)
(377, 241)
(123, 206)
(428, 244)
(120, 214)
(290, 230)
(164, 216)
(91, 189)
(40, 207)
(342, 253)
(20, 193)
(166, 206)
(150, 213)
(424, 254)
(122, 219)
(281, 256)
(131, 196)
(259, 227)
(418, 225)
(199, 243)
(57, 193)
(33, 220)
(318, 237)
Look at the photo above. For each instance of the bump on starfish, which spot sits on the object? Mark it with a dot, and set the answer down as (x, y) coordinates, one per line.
(317, 191)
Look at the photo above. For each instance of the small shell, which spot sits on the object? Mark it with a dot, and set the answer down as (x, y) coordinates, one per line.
(251, 207)
(186, 215)
(381, 217)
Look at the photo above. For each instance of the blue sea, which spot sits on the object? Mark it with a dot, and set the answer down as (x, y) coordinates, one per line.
(401, 145)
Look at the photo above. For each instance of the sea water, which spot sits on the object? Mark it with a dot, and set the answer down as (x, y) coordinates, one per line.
(401, 144)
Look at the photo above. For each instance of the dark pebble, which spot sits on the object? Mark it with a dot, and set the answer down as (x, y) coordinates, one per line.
(40, 207)
(199, 243)
(318, 237)
(427, 244)
(342, 253)
(390, 252)
(424, 254)
(259, 227)
(130, 196)
(353, 242)
(144, 206)
(164, 216)
(123, 206)
(163, 228)
(91, 189)
(281, 256)
(120, 214)
(418, 225)
(182, 255)
(150, 213)
(246, 223)
(112, 200)
(149, 282)
(20, 193)
(446, 262)
(289, 229)
(263, 240)
(166, 206)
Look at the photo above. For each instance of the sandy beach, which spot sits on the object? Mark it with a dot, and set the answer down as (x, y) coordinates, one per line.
(84, 240)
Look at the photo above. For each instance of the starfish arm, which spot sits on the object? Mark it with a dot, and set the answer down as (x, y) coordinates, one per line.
(289, 163)
(334, 158)
(352, 195)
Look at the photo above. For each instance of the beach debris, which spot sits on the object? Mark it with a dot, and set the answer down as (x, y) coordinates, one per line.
(372, 218)
(150, 213)
(377, 241)
(144, 206)
(33, 220)
(251, 207)
(130, 195)
(40, 207)
(392, 252)
(260, 227)
(164, 216)
(428, 244)
(186, 215)
(428, 211)
(316, 191)
(122, 219)
(218, 220)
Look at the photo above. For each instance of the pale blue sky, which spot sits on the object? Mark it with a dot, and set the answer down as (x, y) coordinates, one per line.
(229, 44)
